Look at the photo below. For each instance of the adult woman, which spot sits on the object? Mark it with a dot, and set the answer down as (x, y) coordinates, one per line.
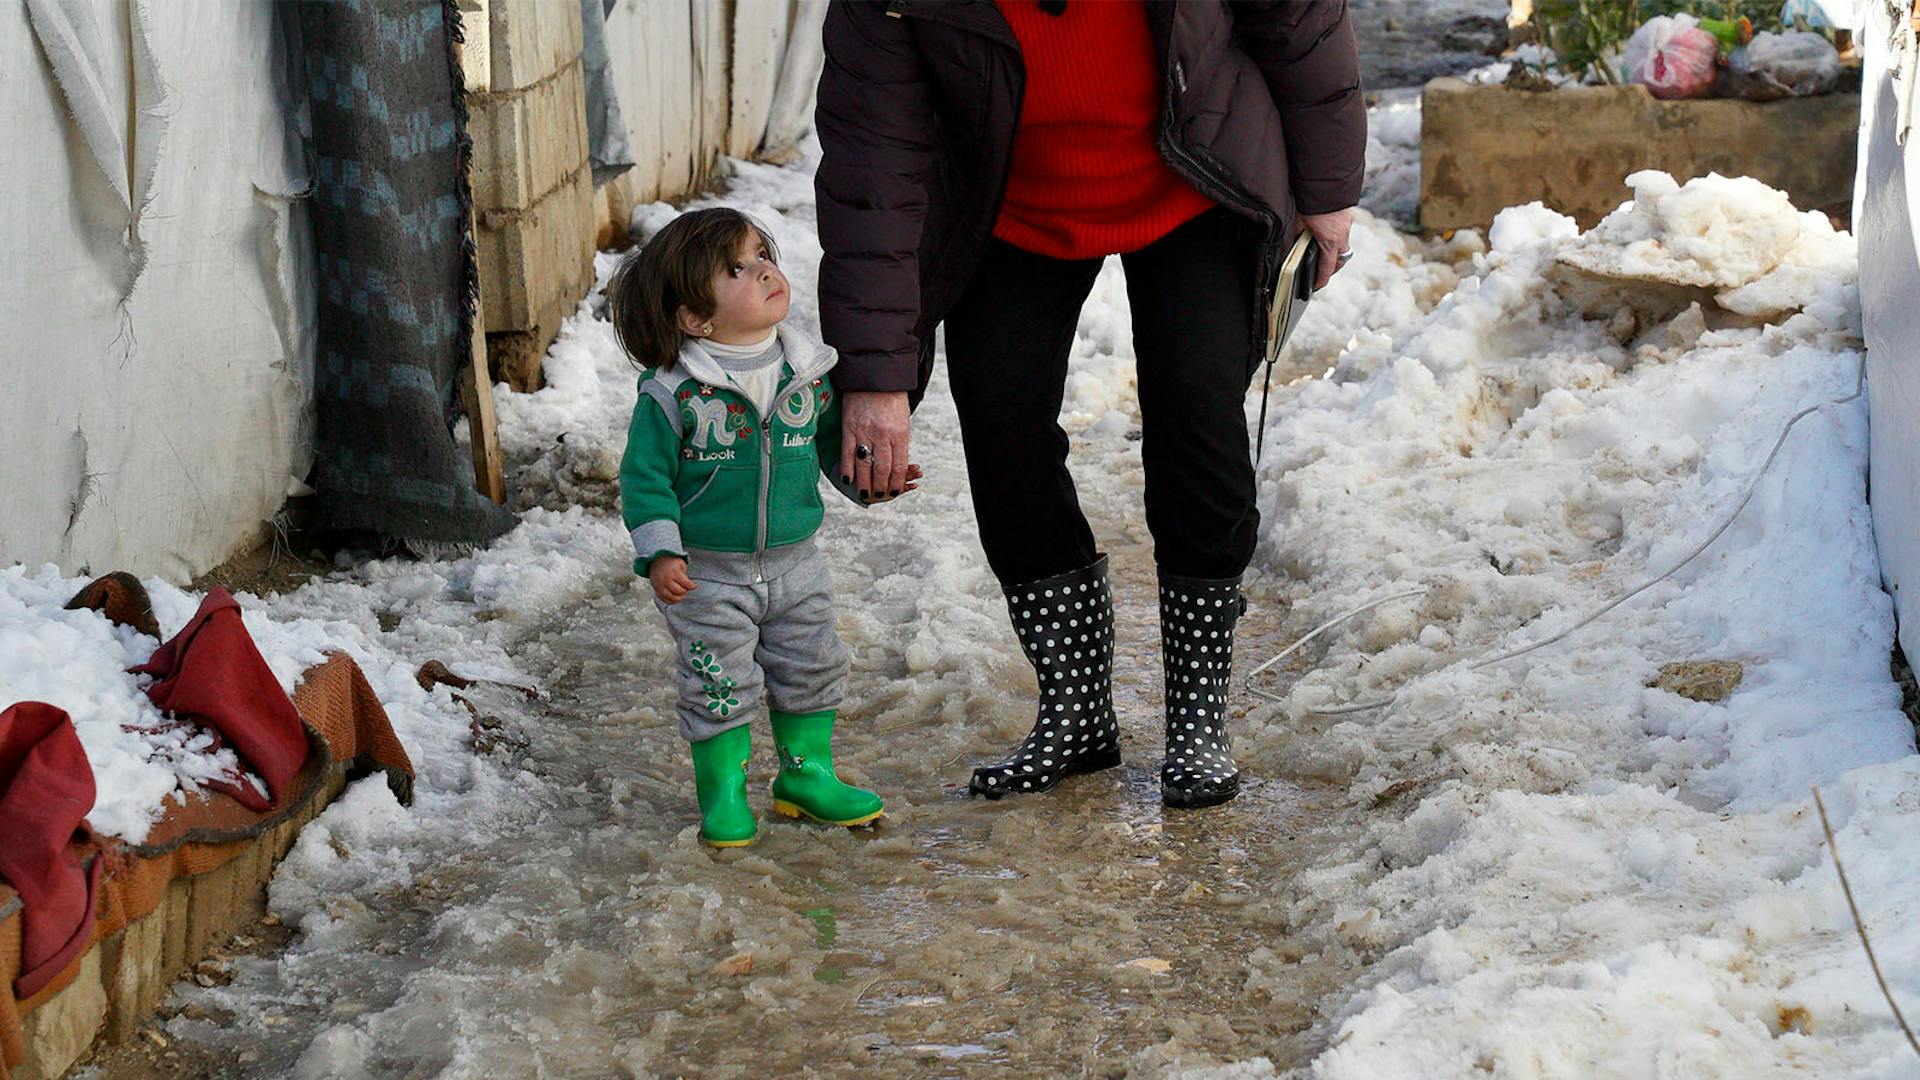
(980, 160)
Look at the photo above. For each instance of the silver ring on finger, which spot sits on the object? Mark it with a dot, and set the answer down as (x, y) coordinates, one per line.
(863, 451)
(1344, 256)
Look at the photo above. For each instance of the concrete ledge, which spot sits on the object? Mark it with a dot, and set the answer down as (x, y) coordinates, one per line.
(123, 978)
(1481, 148)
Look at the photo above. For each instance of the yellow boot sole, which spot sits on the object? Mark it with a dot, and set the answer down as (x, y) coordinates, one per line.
(728, 843)
(794, 810)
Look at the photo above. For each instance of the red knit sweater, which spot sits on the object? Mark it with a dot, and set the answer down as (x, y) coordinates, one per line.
(1087, 179)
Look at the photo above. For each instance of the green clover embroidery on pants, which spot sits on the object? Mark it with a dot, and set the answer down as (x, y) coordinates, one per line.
(704, 662)
(718, 688)
(721, 702)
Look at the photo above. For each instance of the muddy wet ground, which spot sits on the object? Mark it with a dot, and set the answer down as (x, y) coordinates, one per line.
(1407, 42)
(1084, 932)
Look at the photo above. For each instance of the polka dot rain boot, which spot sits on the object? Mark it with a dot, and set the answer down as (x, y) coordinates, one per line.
(1065, 625)
(1196, 642)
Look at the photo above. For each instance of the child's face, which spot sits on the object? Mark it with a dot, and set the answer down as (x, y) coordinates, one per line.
(750, 296)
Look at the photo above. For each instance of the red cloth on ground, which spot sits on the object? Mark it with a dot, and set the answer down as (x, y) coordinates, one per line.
(212, 673)
(46, 791)
(1088, 179)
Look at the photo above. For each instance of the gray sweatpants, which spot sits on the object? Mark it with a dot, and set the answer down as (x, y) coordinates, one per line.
(740, 642)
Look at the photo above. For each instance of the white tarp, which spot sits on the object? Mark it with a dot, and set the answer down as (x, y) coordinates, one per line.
(1886, 218)
(695, 82)
(156, 325)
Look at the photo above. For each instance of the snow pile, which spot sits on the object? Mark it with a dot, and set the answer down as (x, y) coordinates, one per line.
(562, 445)
(1590, 877)
(1394, 278)
(77, 661)
(1737, 237)
(390, 615)
(1391, 187)
(143, 761)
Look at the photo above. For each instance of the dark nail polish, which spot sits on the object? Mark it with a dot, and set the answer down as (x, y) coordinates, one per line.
(863, 493)
(845, 479)
(896, 492)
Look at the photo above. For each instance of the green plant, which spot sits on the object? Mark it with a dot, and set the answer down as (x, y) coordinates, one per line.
(1588, 36)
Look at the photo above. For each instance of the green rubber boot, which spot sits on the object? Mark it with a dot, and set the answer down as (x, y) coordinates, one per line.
(720, 782)
(807, 784)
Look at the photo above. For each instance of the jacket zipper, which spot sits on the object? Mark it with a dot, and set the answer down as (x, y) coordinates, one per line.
(766, 486)
(794, 381)
(992, 24)
(1198, 174)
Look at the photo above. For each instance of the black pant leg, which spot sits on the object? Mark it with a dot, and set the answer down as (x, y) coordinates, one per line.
(1191, 293)
(1008, 340)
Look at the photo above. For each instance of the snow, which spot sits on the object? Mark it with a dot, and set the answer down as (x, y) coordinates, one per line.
(1391, 188)
(1602, 879)
(1735, 236)
(76, 660)
(1571, 874)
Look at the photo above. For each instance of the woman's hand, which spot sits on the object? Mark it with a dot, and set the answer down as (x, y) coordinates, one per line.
(879, 421)
(670, 581)
(1330, 231)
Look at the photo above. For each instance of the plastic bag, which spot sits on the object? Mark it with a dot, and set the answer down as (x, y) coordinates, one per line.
(1832, 14)
(1794, 64)
(1672, 57)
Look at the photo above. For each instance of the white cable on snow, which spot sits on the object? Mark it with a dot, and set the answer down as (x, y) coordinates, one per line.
(1316, 632)
(1859, 387)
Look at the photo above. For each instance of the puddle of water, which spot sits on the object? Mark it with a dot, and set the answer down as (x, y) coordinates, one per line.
(949, 1052)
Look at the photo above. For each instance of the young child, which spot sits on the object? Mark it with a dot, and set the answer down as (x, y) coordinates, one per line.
(719, 489)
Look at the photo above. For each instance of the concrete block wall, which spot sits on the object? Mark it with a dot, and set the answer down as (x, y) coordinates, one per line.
(695, 80)
(532, 188)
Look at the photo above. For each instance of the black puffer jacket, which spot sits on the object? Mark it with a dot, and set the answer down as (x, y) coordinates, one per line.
(917, 112)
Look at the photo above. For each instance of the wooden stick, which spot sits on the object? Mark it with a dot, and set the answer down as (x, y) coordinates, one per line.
(476, 399)
(1834, 850)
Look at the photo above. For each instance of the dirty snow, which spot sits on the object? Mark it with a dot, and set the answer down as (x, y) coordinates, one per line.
(1735, 236)
(1593, 878)
(1542, 868)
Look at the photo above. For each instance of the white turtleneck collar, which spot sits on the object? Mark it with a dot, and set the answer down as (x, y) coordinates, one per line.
(720, 350)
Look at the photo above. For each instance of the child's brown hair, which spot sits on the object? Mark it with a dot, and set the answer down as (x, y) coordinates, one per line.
(675, 269)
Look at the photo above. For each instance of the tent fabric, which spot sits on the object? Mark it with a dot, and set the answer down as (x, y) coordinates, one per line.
(212, 674)
(608, 150)
(716, 79)
(803, 56)
(46, 791)
(154, 428)
(398, 279)
(1886, 219)
(351, 732)
(74, 44)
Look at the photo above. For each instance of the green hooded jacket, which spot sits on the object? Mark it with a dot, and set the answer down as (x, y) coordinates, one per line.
(703, 470)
